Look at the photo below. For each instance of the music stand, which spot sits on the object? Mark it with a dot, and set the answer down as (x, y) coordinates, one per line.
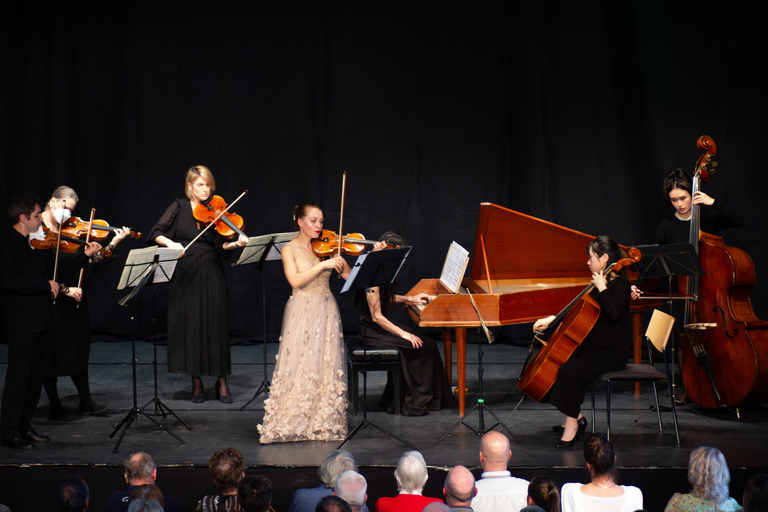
(669, 261)
(259, 250)
(374, 269)
(480, 404)
(142, 268)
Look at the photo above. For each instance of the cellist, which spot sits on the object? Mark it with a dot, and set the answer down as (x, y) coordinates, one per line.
(606, 347)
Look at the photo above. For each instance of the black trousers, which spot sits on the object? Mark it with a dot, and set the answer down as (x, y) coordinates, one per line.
(23, 382)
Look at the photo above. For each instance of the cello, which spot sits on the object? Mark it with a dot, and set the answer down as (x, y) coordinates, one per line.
(572, 325)
(724, 355)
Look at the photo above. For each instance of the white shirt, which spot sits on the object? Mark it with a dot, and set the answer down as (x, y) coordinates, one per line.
(573, 500)
(499, 490)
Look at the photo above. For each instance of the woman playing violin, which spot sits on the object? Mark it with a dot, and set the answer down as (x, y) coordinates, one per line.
(605, 348)
(424, 385)
(198, 327)
(307, 400)
(71, 320)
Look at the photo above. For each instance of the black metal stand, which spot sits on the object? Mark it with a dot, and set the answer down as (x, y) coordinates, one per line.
(160, 408)
(265, 384)
(374, 269)
(480, 406)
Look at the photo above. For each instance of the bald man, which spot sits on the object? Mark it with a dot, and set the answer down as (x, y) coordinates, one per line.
(459, 489)
(497, 489)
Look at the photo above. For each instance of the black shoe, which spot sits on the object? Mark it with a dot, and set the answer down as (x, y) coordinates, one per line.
(60, 415)
(18, 443)
(198, 399)
(567, 444)
(558, 428)
(93, 409)
(221, 398)
(34, 437)
(582, 426)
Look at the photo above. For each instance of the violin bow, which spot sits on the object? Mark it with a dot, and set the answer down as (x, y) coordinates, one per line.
(213, 222)
(58, 245)
(87, 240)
(341, 217)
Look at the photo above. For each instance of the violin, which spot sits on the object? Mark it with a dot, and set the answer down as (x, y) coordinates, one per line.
(229, 225)
(353, 244)
(68, 244)
(77, 227)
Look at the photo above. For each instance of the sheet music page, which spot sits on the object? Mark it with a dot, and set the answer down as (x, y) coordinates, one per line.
(167, 259)
(253, 251)
(136, 266)
(456, 262)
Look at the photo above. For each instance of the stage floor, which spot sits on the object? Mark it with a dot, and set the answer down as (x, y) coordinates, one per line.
(647, 458)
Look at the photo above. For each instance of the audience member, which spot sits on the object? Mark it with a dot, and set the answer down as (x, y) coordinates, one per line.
(73, 494)
(227, 469)
(436, 506)
(148, 492)
(756, 494)
(334, 464)
(352, 487)
(602, 493)
(332, 504)
(411, 475)
(254, 493)
(708, 474)
(459, 489)
(543, 496)
(497, 489)
(142, 505)
(140, 469)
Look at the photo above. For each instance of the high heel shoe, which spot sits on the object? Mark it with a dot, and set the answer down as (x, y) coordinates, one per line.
(223, 399)
(582, 426)
(567, 444)
(197, 398)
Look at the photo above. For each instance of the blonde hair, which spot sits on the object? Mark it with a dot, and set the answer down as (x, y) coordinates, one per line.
(198, 171)
(708, 474)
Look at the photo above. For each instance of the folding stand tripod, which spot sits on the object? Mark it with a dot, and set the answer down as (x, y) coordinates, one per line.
(259, 250)
(374, 269)
(139, 266)
(480, 405)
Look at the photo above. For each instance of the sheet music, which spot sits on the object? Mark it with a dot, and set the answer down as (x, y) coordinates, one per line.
(456, 262)
(168, 259)
(136, 267)
(254, 250)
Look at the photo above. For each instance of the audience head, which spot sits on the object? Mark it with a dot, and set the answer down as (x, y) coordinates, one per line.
(459, 488)
(543, 491)
(494, 451)
(334, 464)
(254, 493)
(411, 472)
(600, 455)
(147, 492)
(142, 505)
(351, 487)
(73, 494)
(227, 469)
(332, 504)
(756, 493)
(708, 474)
(140, 469)
(436, 506)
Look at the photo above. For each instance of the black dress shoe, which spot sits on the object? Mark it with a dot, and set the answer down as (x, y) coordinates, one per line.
(60, 415)
(34, 437)
(567, 444)
(221, 398)
(582, 426)
(198, 399)
(18, 443)
(94, 409)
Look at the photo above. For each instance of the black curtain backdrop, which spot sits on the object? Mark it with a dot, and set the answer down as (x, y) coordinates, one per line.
(571, 112)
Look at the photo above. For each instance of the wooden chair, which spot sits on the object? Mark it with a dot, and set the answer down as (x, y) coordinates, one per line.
(372, 359)
(657, 336)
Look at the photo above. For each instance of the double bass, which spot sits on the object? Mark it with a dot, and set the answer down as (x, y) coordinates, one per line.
(724, 355)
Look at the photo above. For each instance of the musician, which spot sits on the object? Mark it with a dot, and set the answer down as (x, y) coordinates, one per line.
(605, 348)
(714, 215)
(71, 319)
(198, 327)
(424, 385)
(27, 290)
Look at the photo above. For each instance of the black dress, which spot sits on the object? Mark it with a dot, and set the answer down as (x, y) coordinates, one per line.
(606, 348)
(198, 327)
(424, 384)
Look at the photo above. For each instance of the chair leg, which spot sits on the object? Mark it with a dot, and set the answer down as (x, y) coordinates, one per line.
(608, 409)
(674, 411)
(658, 409)
(593, 407)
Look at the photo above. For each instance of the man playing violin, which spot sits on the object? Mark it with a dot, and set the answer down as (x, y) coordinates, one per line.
(71, 319)
(27, 290)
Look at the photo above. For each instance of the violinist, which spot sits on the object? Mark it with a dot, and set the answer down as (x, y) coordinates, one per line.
(27, 290)
(605, 348)
(424, 385)
(307, 399)
(198, 326)
(71, 317)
